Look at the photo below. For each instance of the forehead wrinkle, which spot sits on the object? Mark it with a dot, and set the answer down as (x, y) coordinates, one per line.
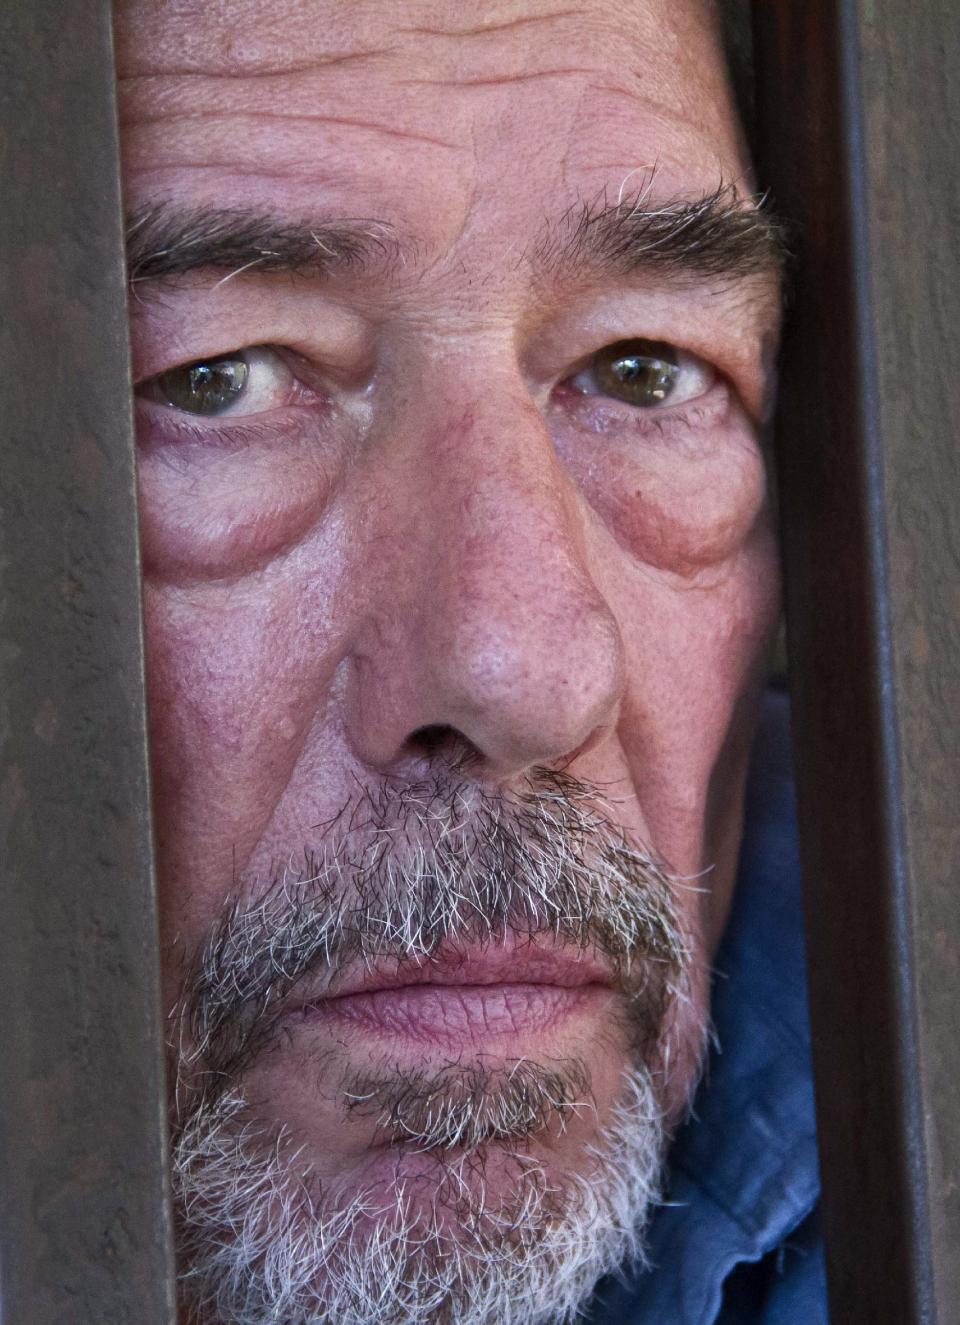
(252, 74)
(501, 80)
(235, 120)
(240, 38)
(300, 90)
(493, 29)
(456, 56)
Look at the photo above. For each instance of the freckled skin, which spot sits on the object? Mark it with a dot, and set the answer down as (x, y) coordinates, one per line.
(450, 540)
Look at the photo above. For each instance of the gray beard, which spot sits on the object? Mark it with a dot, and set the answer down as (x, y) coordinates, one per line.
(262, 1246)
(261, 1241)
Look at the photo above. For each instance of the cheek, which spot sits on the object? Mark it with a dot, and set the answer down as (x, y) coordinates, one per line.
(689, 561)
(237, 674)
(690, 519)
(694, 653)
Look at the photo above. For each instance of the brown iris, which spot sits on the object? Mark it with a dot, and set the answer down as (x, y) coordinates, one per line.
(639, 372)
(209, 386)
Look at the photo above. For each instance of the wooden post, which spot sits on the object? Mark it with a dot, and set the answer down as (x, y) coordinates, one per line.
(84, 1225)
(858, 113)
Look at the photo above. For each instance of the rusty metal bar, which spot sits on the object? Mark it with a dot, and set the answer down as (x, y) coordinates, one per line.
(84, 1229)
(859, 120)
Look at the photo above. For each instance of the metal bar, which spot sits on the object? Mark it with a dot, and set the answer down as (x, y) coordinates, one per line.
(84, 1229)
(859, 120)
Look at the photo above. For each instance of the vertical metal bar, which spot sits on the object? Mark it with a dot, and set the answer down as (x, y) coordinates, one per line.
(859, 120)
(84, 1230)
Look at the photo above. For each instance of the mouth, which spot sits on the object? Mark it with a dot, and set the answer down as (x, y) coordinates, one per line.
(494, 998)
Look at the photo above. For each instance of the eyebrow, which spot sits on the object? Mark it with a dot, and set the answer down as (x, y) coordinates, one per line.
(165, 240)
(717, 235)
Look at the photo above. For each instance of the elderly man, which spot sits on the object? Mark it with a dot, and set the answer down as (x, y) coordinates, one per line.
(453, 330)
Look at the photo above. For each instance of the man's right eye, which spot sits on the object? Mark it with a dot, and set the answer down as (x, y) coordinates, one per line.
(241, 382)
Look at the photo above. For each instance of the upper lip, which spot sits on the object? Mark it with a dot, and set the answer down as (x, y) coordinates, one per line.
(523, 962)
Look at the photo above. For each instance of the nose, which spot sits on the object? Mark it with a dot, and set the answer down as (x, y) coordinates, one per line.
(489, 626)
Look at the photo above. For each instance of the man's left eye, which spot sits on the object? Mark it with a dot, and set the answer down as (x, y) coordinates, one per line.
(242, 382)
(644, 373)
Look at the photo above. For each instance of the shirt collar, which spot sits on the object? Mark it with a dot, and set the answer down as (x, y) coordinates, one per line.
(743, 1171)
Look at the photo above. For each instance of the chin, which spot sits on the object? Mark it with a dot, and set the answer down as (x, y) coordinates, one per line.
(504, 1231)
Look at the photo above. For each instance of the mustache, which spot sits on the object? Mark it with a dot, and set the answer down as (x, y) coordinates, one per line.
(403, 871)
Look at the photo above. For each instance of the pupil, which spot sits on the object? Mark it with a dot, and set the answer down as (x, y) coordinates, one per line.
(209, 387)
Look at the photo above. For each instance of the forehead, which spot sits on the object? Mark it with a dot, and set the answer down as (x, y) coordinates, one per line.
(439, 117)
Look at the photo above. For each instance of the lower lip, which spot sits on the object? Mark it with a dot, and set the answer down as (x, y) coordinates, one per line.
(456, 1015)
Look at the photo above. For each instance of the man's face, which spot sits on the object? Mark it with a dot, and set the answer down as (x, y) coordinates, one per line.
(451, 326)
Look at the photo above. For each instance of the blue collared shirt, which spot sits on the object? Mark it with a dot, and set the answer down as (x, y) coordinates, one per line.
(737, 1241)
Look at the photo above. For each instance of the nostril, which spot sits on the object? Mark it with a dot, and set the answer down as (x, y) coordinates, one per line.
(440, 741)
(428, 740)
